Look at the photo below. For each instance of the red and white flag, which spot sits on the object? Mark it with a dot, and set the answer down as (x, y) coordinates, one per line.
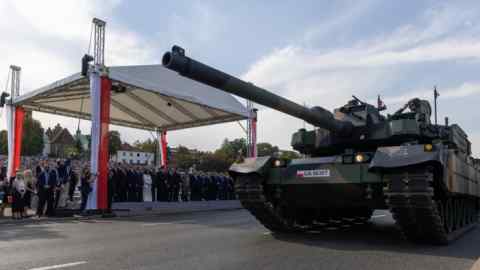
(15, 116)
(100, 87)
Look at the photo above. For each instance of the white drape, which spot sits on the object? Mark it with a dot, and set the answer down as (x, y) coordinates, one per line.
(10, 117)
(95, 93)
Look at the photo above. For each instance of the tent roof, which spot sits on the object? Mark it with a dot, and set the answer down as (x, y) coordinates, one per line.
(155, 97)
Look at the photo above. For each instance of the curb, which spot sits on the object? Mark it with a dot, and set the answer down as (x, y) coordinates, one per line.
(154, 213)
(116, 216)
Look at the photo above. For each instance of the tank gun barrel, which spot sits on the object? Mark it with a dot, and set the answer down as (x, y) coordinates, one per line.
(190, 68)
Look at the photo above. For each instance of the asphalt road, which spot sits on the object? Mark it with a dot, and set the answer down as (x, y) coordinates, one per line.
(220, 240)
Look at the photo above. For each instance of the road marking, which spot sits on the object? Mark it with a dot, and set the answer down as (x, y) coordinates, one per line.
(267, 233)
(379, 216)
(60, 266)
(167, 223)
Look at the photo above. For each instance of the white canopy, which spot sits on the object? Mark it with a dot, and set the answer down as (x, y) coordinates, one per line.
(146, 97)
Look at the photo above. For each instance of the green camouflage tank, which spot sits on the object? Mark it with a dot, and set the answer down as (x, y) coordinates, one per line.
(356, 160)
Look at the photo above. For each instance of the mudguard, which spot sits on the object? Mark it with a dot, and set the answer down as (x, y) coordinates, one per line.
(251, 165)
(405, 155)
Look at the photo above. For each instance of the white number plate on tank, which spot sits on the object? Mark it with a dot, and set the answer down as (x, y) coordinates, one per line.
(314, 173)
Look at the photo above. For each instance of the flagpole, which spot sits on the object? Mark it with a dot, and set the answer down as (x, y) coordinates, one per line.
(435, 96)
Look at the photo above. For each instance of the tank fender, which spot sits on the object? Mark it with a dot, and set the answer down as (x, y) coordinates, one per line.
(251, 165)
(406, 155)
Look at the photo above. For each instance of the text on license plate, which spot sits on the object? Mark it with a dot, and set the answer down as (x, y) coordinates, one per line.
(314, 173)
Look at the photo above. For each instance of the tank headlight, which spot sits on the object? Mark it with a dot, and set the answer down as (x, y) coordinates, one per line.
(359, 158)
(428, 147)
(278, 163)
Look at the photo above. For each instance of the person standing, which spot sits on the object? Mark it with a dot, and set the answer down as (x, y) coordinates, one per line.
(47, 181)
(153, 191)
(18, 190)
(29, 187)
(122, 183)
(61, 180)
(147, 186)
(131, 185)
(139, 184)
(85, 187)
(185, 187)
(162, 187)
(110, 188)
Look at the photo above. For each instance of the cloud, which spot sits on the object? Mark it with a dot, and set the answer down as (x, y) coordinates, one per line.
(195, 28)
(328, 76)
(464, 90)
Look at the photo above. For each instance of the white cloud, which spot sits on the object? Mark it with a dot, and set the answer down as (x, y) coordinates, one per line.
(464, 90)
(328, 77)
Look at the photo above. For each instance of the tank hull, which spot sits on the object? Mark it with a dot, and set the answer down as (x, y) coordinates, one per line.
(433, 195)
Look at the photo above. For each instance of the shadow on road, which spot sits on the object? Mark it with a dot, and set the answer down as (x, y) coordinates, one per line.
(384, 237)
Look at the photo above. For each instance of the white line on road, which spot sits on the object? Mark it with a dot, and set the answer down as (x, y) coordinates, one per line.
(379, 216)
(60, 266)
(167, 223)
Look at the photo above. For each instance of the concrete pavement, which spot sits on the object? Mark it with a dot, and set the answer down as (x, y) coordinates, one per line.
(219, 240)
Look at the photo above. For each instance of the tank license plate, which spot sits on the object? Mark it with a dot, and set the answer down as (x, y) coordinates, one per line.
(314, 173)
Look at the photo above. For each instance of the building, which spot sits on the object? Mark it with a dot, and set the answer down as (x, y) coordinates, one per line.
(131, 155)
(58, 142)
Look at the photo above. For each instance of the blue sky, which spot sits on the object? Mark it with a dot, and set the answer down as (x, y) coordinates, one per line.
(317, 52)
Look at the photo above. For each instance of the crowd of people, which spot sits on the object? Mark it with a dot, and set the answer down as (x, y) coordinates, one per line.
(46, 185)
(130, 183)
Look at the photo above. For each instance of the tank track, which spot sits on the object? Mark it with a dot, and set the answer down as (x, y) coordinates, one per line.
(250, 192)
(421, 216)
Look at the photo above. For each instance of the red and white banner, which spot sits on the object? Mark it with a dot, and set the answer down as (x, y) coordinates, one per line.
(15, 116)
(100, 87)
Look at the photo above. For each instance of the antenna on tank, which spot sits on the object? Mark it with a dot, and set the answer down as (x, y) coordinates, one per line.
(435, 97)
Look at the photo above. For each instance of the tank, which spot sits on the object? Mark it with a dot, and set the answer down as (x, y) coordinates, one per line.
(355, 160)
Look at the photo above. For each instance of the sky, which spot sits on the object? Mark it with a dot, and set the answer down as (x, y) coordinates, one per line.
(313, 52)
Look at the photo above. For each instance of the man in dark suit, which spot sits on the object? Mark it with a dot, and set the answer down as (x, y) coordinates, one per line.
(47, 181)
(153, 175)
(139, 184)
(131, 192)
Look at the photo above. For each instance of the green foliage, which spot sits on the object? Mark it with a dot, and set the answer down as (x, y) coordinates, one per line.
(32, 139)
(3, 142)
(148, 145)
(185, 158)
(266, 149)
(289, 155)
(114, 142)
(232, 150)
(72, 151)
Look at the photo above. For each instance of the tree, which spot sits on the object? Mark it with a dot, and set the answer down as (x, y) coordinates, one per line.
(114, 142)
(3, 142)
(289, 155)
(148, 145)
(32, 139)
(231, 150)
(185, 158)
(266, 149)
